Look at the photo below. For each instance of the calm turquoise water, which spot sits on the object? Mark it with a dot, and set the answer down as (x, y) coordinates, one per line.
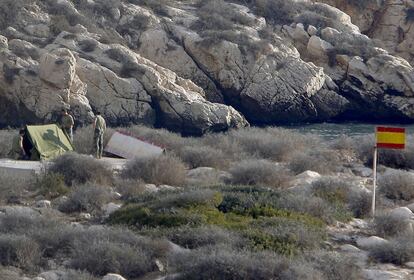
(333, 130)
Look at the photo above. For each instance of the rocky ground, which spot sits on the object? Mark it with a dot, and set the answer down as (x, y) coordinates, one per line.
(196, 66)
(250, 203)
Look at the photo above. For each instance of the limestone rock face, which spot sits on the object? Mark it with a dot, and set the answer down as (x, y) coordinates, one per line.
(120, 100)
(33, 92)
(388, 22)
(180, 103)
(58, 68)
(276, 87)
(178, 68)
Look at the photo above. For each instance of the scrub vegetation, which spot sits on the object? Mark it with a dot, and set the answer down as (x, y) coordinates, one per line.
(258, 219)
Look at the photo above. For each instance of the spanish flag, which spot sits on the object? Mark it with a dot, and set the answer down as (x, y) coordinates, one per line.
(390, 137)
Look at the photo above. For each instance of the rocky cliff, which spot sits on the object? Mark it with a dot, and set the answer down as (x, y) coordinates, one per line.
(199, 66)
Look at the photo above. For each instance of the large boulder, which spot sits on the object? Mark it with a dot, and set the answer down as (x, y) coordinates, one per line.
(33, 92)
(58, 68)
(180, 103)
(120, 100)
(274, 86)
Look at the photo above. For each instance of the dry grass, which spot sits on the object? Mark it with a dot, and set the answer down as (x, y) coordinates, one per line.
(6, 139)
(260, 173)
(162, 170)
(79, 169)
(397, 185)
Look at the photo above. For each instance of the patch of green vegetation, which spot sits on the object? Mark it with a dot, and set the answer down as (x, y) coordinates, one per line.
(141, 217)
(264, 241)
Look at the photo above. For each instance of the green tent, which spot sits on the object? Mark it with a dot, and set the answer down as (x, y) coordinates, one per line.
(46, 141)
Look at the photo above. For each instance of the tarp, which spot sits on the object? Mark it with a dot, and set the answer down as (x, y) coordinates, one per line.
(48, 141)
(129, 147)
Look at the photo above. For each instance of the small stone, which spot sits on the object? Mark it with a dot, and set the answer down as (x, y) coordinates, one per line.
(112, 276)
(116, 195)
(151, 188)
(350, 248)
(43, 204)
(110, 208)
(3, 42)
(312, 30)
(369, 242)
(166, 187)
(85, 216)
(159, 265)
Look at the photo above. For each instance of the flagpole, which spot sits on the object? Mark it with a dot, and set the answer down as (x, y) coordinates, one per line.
(374, 171)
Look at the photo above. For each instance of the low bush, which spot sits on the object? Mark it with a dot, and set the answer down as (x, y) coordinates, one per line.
(14, 188)
(271, 143)
(165, 169)
(259, 172)
(195, 156)
(342, 194)
(387, 225)
(89, 198)
(19, 251)
(51, 185)
(314, 206)
(397, 185)
(359, 202)
(80, 169)
(226, 263)
(321, 161)
(102, 257)
(397, 251)
(129, 189)
(284, 235)
(6, 139)
(334, 266)
(193, 238)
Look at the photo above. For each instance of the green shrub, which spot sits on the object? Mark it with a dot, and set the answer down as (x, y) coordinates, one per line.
(143, 217)
(165, 169)
(286, 236)
(81, 169)
(314, 206)
(193, 238)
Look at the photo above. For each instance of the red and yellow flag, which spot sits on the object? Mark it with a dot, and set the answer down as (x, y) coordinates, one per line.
(390, 137)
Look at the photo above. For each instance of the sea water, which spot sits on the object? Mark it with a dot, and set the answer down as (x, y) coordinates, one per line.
(331, 131)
